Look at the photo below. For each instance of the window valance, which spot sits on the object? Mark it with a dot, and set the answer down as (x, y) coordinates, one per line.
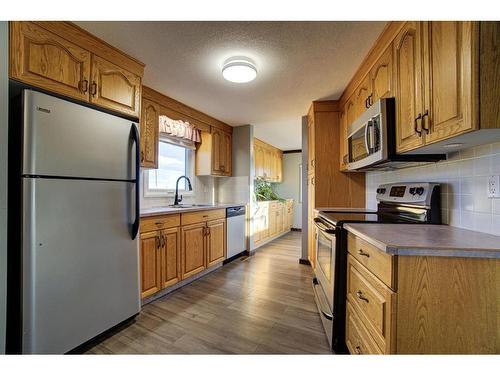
(179, 128)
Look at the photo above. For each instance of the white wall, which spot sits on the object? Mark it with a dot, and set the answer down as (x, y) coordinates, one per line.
(289, 187)
(463, 177)
(4, 33)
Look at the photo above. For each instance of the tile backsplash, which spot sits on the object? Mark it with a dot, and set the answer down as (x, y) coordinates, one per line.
(463, 178)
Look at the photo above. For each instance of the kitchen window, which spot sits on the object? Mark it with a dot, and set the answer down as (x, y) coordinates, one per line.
(175, 159)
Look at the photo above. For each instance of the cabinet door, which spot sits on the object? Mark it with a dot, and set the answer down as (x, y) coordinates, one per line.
(361, 96)
(149, 134)
(217, 155)
(216, 241)
(228, 148)
(115, 88)
(343, 141)
(193, 249)
(311, 233)
(170, 257)
(273, 223)
(43, 59)
(279, 166)
(381, 77)
(310, 144)
(267, 164)
(350, 113)
(408, 65)
(449, 79)
(150, 263)
(259, 161)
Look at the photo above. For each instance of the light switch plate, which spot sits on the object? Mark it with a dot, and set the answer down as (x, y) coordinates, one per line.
(494, 187)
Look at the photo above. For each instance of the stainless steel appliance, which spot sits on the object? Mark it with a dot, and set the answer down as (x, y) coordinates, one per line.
(372, 140)
(79, 218)
(236, 242)
(397, 203)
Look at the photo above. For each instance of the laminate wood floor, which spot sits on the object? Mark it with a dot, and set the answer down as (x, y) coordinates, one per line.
(263, 304)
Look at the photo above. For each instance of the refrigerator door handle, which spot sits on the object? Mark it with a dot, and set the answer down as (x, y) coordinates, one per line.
(135, 138)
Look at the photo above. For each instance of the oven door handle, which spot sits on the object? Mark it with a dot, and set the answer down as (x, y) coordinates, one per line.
(322, 227)
(315, 285)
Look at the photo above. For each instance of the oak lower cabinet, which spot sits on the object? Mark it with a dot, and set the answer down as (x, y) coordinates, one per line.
(62, 58)
(175, 247)
(271, 220)
(193, 249)
(150, 259)
(216, 241)
(420, 304)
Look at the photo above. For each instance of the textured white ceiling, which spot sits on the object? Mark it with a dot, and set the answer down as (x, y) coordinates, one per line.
(297, 62)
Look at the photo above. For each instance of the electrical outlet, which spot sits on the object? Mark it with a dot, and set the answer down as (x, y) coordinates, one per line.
(494, 187)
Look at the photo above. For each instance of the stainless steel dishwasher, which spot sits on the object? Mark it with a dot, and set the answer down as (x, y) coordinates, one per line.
(236, 241)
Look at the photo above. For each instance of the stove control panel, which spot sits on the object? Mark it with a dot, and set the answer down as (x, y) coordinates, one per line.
(408, 192)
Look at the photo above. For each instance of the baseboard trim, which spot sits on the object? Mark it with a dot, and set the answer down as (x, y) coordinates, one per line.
(305, 262)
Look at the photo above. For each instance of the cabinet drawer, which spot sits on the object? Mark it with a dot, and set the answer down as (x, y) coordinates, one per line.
(373, 300)
(377, 262)
(358, 340)
(160, 222)
(200, 216)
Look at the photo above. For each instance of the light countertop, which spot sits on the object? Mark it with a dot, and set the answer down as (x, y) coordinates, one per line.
(428, 240)
(165, 210)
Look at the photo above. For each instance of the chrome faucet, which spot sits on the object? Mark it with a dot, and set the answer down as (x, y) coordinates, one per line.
(178, 199)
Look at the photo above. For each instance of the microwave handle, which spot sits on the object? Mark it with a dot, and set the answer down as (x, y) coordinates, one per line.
(367, 133)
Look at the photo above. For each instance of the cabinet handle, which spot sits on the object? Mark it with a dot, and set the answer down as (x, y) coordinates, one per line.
(142, 156)
(93, 88)
(358, 350)
(415, 125)
(426, 113)
(163, 240)
(312, 181)
(362, 253)
(157, 241)
(366, 102)
(84, 85)
(159, 223)
(370, 101)
(360, 295)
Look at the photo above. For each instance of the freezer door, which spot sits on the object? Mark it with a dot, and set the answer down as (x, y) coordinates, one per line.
(61, 138)
(80, 266)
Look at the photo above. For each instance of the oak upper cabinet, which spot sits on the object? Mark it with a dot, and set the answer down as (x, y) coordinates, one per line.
(311, 143)
(343, 145)
(381, 77)
(409, 85)
(170, 257)
(46, 60)
(149, 134)
(361, 96)
(115, 88)
(150, 263)
(62, 58)
(193, 249)
(448, 79)
(216, 241)
(214, 154)
(268, 162)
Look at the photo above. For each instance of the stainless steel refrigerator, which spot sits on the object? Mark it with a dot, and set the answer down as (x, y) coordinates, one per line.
(80, 218)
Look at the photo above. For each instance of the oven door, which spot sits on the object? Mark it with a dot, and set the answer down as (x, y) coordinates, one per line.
(323, 282)
(325, 257)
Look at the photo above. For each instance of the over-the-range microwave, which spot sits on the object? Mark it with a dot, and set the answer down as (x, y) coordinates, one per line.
(372, 140)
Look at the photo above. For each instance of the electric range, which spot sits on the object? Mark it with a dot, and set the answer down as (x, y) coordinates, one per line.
(397, 203)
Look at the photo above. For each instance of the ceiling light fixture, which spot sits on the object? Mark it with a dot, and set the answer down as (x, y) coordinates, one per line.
(239, 70)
